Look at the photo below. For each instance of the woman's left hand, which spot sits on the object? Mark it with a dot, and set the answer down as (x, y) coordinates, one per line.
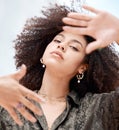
(103, 27)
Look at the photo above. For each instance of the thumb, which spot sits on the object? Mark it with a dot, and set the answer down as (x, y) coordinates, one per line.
(20, 74)
(93, 46)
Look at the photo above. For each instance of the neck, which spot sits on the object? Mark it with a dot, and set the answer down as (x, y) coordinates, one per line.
(54, 86)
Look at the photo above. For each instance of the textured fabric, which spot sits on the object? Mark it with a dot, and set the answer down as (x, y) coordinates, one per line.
(92, 112)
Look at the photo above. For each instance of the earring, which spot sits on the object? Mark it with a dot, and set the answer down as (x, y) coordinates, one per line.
(43, 66)
(41, 60)
(79, 77)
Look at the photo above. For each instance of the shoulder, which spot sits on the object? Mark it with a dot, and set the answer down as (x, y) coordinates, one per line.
(107, 98)
(96, 99)
(107, 102)
(103, 97)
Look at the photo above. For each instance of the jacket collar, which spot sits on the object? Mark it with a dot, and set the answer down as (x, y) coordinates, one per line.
(73, 95)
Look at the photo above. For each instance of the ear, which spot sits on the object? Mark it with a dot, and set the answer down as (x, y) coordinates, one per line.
(82, 68)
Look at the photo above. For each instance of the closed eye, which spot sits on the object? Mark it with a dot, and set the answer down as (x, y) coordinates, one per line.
(74, 48)
(57, 41)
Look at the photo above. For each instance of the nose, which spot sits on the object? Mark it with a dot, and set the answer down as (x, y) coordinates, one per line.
(61, 46)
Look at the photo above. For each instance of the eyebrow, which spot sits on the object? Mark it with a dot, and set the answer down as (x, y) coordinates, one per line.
(61, 35)
(76, 41)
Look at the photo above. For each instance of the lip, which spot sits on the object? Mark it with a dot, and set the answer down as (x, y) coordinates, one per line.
(57, 53)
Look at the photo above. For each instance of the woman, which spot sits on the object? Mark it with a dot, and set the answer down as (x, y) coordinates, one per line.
(73, 84)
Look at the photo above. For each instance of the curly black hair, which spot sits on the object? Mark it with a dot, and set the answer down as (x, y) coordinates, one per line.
(102, 74)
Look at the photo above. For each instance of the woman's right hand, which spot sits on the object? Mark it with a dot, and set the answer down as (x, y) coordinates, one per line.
(15, 96)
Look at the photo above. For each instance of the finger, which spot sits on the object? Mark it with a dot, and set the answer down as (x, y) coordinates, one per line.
(26, 114)
(74, 22)
(13, 114)
(76, 30)
(31, 95)
(89, 8)
(18, 75)
(93, 46)
(31, 106)
(79, 16)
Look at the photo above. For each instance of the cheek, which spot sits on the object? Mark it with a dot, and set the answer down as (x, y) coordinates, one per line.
(47, 52)
(76, 57)
(73, 63)
(45, 55)
(49, 47)
(76, 63)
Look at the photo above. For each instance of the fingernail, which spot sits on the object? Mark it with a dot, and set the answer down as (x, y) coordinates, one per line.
(42, 99)
(65, 27)
(20, 123)
(33, 119)
(69, 14)
(40, 113)
(64, 18)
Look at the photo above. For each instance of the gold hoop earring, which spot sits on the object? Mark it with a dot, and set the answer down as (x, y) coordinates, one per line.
(79, 77)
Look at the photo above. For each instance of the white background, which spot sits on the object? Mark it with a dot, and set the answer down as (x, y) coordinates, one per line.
(13, 14)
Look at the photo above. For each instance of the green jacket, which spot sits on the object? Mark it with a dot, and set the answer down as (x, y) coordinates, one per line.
(92, 112)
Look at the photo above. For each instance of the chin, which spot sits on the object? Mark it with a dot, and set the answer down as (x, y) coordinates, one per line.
(53, 62)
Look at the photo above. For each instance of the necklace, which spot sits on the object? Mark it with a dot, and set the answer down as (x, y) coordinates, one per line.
(57, 99)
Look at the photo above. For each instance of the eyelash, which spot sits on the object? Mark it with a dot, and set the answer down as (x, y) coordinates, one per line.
(74, 48)
(59, 41)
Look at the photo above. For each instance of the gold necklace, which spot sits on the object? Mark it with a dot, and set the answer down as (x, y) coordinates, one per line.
(47, 98)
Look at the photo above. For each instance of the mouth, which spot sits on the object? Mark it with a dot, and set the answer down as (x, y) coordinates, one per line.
(57, 54)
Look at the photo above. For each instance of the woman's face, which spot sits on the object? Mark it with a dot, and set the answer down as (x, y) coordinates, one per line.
(65, 54)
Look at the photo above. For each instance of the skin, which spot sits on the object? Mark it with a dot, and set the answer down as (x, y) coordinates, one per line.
(105, 33)
(14, 93)
(68, 47)
(86, 25)
(59, 71)
(59, 68)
